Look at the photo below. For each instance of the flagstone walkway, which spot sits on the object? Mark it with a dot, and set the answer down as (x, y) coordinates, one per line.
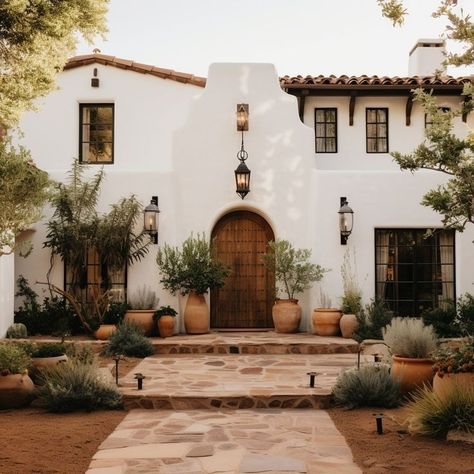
(235, 381)
(225, 442)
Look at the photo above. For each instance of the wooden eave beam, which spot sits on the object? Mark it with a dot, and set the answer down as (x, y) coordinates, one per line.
(465, 114)
(352, 104)
(301, 104)
(408, 109)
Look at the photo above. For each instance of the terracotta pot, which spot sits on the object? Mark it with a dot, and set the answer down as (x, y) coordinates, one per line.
(15, 391)
(286, 315)
(443, 385)
(42, 362)
(143, 318)
(412, 373)
(326, 321)
(348, 325)
(166, 326)
(104, 331)
(196, 314)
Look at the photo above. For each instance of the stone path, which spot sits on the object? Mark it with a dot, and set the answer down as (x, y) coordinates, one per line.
(224, 441)
(228, 381)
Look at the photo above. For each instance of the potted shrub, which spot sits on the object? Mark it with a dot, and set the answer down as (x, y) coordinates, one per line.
(114, 315)
(294, 273)
(48, 355)
(16, 387)
(191, 270)
(142, 305)
(164, 316)
(325, 318)
(453, 367)
(411, 344)
(352, 298)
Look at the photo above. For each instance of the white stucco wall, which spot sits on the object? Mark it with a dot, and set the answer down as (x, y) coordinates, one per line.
(180, 142)
(7, 292)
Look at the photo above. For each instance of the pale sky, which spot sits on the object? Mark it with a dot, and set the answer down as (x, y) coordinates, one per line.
(298, 36)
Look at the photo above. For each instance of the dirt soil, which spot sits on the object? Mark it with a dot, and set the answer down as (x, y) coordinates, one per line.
(398, 452)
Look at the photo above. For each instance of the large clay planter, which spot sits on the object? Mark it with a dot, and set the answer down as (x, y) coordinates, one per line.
(412, 373)
(286, 315)
(105, 331)
(443, 385)
(143, 318)
(15, 391)
(348, 325)
(196, 314)
(326, 321)
(166, 326)
(43, 362)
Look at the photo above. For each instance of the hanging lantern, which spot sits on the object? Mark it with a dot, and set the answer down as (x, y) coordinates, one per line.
(346, 220)
(150, 217)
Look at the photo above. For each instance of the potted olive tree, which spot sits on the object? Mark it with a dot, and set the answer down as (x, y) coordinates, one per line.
(294, 273)
(411, 344)
(190, 270)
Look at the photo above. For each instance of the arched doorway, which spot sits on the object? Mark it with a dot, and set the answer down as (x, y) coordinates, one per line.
(246, 300)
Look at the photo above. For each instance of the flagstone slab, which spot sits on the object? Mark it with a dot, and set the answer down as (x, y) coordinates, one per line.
(232, 441)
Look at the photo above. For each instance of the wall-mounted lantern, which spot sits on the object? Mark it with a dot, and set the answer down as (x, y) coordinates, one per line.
(150, 217)
(242, 173)
(346, 220)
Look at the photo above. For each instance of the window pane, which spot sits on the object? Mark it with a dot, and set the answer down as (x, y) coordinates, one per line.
(320, 130)
(320, 116)
(371, 131)
(320, 145)
(331, 145)
(331, 130)
(371, 115)
(371, 145)
(97, 134)
(382, 130)
(382, 145)
(331, 115)
(381, 115)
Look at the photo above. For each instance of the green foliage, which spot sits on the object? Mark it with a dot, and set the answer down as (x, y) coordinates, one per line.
(372, 319)
(191, 267)
(352, 298)
(453, 361)
(128, 340)
(434, 416)
(75, 385)
(37, 37)
(13, 359)
(393, 10)
(53, 316)
(49, 350)
(143, 298)
(293, 271)
(164, 311)
(409, 337)
(17, 331)
(115, 313)
(24, 189)
(80, 352)
(370, 386)
(465, 310)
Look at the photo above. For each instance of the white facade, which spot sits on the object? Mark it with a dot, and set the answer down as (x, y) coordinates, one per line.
(179, 141)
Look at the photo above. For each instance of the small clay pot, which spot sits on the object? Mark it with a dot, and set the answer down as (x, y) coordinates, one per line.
(143, 318)
(348, 325)
(443, 385)
(16, 390)
(286, 315)
(411, 372)
(196, 314)
(42, 362)
(104, 331)
(326, 321)
(166, 326)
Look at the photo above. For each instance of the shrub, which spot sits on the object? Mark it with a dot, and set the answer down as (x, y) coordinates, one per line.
(82, 353)
(13, 359)
(409, 337)
(143, 298)
(75, 385)
(164, 311)
(465, 308)
(449, 360)
(17, 331)
(128, 340)
(49, 350)
(431, 415)
(370, 386)
(372, 319)
(115, 313)
(352, 298)
(53, 316)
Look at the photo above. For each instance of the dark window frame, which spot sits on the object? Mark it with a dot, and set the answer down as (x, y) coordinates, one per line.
(376, 138)
(414, 264)
(84, 105)
(325, 137)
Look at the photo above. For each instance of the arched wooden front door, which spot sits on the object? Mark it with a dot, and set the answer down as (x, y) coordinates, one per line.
(246, 300)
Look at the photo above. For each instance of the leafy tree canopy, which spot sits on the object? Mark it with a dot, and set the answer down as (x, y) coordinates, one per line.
(36, 39)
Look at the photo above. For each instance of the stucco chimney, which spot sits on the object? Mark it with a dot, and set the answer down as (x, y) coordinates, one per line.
(426, 57)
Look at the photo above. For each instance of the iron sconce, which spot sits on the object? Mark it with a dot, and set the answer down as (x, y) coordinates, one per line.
(242, 172)
(346, 220)
(150, 216)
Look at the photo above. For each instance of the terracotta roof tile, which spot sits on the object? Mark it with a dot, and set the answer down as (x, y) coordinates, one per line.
(84, 60)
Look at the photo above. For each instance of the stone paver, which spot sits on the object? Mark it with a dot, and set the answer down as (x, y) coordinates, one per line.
(225, 441)
(253, 381)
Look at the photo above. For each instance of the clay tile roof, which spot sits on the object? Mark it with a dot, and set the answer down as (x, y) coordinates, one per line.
(288, 82)
(84, 60)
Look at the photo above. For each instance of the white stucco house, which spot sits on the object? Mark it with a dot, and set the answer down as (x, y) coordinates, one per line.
(310, 141)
